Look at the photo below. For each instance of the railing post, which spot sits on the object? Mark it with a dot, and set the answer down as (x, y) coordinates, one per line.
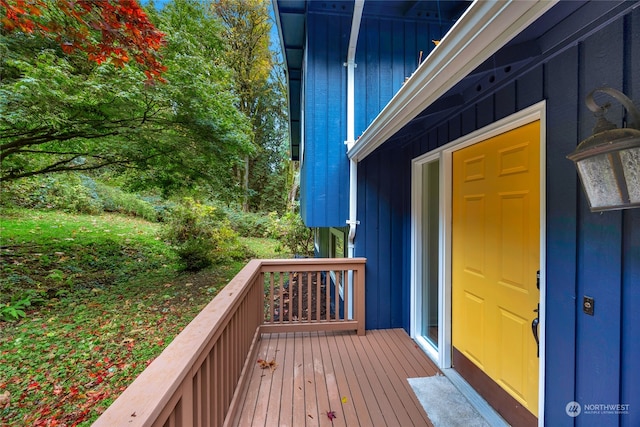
(360, 298)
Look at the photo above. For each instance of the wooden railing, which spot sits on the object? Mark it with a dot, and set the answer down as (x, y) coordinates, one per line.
(194, 382)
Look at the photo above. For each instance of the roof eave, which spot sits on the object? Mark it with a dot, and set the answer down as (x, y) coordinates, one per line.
(480, 32)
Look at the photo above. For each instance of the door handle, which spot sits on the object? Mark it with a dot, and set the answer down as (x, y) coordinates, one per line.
(534, 329)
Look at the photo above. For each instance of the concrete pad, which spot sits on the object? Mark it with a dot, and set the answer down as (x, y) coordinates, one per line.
(444, 403)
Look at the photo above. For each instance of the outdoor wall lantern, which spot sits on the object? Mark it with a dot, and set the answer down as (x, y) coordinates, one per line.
(608, 162)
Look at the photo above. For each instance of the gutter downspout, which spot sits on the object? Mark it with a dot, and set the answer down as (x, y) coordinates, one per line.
(353, 164)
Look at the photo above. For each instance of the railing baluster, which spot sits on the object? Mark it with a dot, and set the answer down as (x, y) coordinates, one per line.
(211, 407)
(273, 298)
(345, 290)
(290, 297)
(299, 295)
(327, 297)
(309, 294)
(216, 406)
(282, 298)
(318, 292)
(336, 296)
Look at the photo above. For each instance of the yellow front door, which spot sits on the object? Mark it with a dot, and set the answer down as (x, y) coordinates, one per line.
(495, 257)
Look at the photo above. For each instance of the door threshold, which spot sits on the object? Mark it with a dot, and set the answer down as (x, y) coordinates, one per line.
(486, 411)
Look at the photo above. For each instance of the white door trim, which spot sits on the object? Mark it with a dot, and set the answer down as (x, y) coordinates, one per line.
(442, 355)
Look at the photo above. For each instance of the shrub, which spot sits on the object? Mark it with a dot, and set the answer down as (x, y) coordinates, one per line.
(64, 192)
(249, 224)
(75, 193)
(201, 235)
(161, 206)
(291, 232)
(115, 200)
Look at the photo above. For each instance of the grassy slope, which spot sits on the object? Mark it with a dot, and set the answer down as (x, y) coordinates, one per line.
(111, 301)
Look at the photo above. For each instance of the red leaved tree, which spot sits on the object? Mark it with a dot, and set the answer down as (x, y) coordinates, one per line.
(116, 30)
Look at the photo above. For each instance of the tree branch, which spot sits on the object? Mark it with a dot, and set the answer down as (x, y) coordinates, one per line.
(59, 167)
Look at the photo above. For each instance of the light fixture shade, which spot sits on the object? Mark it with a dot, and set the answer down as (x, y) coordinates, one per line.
(608, 163)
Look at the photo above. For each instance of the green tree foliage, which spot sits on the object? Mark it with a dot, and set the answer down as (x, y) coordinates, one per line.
(269, 170)
(260, 86)
(61, 112)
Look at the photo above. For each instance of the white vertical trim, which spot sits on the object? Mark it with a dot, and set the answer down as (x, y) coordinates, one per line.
(445, 252)
(442, 356)
(542, 315)
(415, 249)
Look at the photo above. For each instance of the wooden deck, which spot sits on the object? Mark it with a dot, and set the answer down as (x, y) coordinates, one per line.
(362, 379)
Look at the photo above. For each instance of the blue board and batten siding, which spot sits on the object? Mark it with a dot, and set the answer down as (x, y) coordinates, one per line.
(388, 54)
(591, 359)
(324, 168)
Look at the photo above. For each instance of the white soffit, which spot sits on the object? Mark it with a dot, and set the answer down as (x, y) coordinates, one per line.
(481, 31)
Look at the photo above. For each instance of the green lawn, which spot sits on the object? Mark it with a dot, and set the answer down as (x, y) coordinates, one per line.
(107, 298)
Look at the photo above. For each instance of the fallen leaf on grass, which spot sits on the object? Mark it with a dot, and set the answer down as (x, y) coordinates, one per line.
(331, 415)
(5, 400)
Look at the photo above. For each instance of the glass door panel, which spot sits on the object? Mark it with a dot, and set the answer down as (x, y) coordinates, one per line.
(430, 258)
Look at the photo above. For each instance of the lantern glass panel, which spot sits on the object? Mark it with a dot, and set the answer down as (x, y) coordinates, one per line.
(630, 159)
(599, 181)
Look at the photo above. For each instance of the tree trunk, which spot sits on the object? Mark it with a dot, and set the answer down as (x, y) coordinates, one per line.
(294, 178)
(245, 185)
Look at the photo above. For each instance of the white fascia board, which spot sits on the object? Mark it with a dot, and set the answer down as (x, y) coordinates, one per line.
(480, 32)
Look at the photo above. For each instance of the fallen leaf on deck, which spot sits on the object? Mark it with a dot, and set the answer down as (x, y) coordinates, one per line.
(344, 399)
(264, 364)
(331, 415)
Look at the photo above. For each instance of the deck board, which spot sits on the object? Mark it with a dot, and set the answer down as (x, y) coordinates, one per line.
(363, 379)
(298, 382)
(354, 397)
(277, 383)
(397, 370)
(283, 416)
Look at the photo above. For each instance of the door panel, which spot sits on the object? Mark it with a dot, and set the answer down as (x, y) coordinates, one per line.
(495, 256)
